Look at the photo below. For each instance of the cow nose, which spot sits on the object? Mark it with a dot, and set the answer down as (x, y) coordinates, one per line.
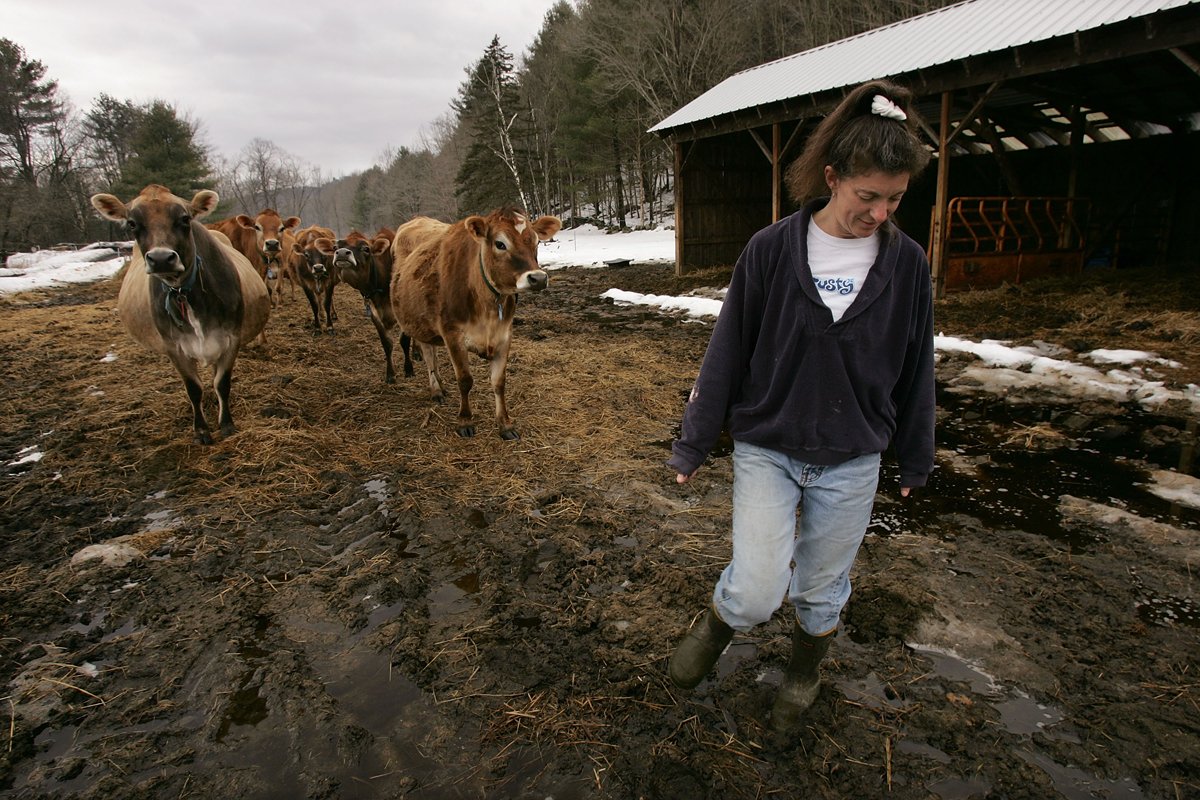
(271, 245)
(537, 280)
(161, 259)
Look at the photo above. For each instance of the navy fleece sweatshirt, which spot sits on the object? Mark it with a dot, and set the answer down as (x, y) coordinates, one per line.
(781, 374)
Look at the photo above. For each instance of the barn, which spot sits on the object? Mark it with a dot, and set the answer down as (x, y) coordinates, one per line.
(1072, 131)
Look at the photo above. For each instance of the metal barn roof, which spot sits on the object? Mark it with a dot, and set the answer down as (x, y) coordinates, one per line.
(960, 31)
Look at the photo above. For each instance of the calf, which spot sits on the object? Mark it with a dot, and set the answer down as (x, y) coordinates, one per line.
(315, 272)
(366, 265)
(457, 286)
(186, 293)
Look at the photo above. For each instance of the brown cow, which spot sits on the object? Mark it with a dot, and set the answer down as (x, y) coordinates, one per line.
(187, 293)
(459, 288)
(260, 241)
(366, 264)
(315, 272)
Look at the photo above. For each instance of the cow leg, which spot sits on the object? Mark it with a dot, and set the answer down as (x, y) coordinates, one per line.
(406, 347)
(195, 392)
(497, 373)
(222, 380)
(329, 315)
(429, 355)
(462, 371)
(385, 339)
(312, 302)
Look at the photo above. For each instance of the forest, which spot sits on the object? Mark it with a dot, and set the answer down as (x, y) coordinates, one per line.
(560, 128)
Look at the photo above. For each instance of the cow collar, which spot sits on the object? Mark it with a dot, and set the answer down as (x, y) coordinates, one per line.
(176, 299)
(495, 292)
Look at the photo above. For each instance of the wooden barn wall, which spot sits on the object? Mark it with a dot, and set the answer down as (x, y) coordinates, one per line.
(726, 196)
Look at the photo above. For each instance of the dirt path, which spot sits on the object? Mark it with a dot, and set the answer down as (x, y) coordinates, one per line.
(346, 600)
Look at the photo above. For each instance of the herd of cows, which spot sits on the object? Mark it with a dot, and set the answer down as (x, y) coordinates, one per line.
(197, 293)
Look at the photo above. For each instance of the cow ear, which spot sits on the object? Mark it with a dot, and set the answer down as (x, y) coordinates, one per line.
(203, 203)
(291, 222)
(546, 226)
(476, 226)
(244, 221)
(324, 246)
(110, 207)
(380, 245)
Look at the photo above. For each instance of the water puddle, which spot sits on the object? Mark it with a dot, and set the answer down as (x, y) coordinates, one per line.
(1075, 784)
(1019, 713)
(1007, 466)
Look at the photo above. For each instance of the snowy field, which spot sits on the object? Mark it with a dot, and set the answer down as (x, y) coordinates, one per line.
(1118, 375)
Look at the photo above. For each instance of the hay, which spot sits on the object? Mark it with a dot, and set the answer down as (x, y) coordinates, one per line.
(308, 407)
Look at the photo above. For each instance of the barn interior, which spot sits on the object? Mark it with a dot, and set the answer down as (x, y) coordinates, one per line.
(1066, 153)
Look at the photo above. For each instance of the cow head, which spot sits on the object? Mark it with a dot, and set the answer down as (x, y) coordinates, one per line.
(268, 228)
(354, 254)
(508, 249)
(161, 224)
(311, 263)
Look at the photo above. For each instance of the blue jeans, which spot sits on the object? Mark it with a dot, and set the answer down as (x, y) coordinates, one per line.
(835, 508)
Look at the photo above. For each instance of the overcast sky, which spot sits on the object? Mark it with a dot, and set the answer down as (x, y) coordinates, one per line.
(333, 83)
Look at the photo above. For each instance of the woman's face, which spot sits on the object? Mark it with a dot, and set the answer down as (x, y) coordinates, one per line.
(861, 203)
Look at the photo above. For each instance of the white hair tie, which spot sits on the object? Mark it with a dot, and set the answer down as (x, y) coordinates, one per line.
(887, 109)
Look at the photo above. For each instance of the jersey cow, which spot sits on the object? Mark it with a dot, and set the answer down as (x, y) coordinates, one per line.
(187, 293)
(457, 286)
(260, 240)
(366, 265)
(315, 272)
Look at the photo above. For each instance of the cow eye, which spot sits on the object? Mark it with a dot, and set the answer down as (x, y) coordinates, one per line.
(130, 225)
(501, 245)
(185, 221)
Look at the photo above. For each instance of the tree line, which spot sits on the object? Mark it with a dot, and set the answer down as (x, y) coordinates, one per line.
(562, 130)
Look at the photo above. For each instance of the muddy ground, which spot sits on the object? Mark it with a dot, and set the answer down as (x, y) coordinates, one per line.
(346, 600)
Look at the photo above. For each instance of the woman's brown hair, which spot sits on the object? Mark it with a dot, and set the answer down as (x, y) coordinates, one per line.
(854, 140)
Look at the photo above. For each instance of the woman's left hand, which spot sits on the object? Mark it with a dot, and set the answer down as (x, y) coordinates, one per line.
(905, 491)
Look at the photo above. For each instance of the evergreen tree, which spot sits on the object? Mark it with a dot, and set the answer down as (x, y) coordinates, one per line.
(487, 106)
(361, 207)
(165, 151)
(110, 127)
(28, 107)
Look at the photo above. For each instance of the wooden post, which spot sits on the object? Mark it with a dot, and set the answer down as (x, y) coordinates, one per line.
(679, 209)
(938, 235)
(1067, 232)
(776, 174)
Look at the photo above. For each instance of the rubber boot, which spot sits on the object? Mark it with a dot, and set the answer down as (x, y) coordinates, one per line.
(699, 650)
(801, 679)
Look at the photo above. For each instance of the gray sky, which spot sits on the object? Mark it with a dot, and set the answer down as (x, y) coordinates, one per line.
(333, 83)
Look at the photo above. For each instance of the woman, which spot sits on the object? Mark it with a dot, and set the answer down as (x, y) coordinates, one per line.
(821, 358)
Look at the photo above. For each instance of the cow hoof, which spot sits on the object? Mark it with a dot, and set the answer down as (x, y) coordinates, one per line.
(466, 431)
(510, 434)
(203, 437)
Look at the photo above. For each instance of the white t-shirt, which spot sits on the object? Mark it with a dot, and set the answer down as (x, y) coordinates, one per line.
(839, 266)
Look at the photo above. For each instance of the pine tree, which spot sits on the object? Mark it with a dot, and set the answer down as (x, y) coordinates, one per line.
(110, 127)
(166, 152)
(488, 106)
(28, 107)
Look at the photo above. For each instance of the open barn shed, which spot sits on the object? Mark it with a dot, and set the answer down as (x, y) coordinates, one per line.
(1072, 129)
